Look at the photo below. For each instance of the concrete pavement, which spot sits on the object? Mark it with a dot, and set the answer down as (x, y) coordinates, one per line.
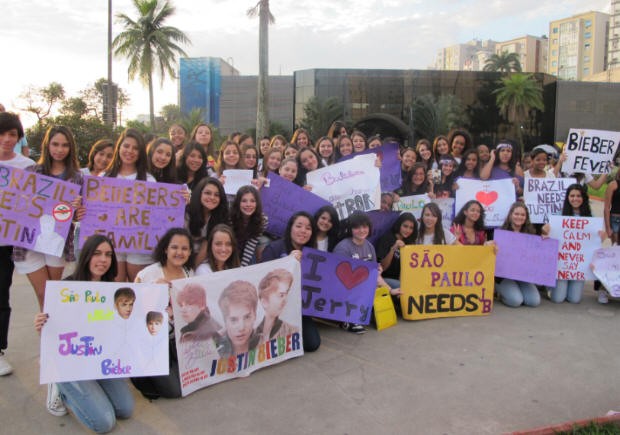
(514, 369)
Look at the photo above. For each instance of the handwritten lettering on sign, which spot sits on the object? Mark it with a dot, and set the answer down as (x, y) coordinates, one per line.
(446, 281)
(349, 186)
(579, 238)
(35, 210)
(590, 151)
(337, 288)
(133, 214)
(99, 330)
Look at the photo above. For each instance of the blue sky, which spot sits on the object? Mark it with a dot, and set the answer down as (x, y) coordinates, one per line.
(65, 40)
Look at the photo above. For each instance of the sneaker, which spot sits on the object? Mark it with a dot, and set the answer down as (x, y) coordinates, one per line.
(54, 401)
(5, 367)
(353, 327)
(602, 297)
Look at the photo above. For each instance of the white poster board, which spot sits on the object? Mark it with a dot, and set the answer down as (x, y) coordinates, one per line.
(496, 196)
(350, 185)
(590, 151)
(545, 197)
(90, 336)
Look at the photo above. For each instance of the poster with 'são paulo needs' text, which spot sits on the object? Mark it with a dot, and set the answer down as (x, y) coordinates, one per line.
(35, 210)
(496, 196)
(228, 326)
(103, 330)
(133, 214)
(446, 281)
(350, 185)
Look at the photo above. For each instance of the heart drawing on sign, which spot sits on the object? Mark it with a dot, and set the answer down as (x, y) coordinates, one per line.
(349, 277)
(103, 217)
(171, 218)
(486, 198)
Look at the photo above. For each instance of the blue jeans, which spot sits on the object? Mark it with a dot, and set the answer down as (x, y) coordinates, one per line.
(517, 293)
(97, 404)
(564, 290)
(393, 283)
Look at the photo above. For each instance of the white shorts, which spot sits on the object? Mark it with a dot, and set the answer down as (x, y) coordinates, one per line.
(137, 259)
(35, 261)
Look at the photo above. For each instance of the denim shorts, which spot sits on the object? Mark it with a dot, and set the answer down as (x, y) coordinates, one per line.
(615, 223)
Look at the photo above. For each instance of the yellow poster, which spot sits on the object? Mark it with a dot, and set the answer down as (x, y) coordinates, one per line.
(446, 281)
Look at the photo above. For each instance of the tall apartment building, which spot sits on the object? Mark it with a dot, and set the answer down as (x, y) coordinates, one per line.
(532, 51)
(578, 45)
(613, 45)
(470, 56)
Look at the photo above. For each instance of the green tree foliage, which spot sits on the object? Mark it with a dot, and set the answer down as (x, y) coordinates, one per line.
(149, 45)
(503, 62)
(433, 116)
(265, 18)
(517, 95)
(40, 101)
(86, 130)
(319, 115)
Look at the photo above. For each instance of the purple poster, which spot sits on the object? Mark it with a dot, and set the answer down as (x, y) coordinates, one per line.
(133, 214)
(390, 171)
(526, 257)
(35, 210)
(381, 223)
(337, 288)
(282, 199)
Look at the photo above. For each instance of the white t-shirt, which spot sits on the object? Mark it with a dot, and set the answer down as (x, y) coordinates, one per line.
(203, 269)
(18, 161)
(133, 176)
(427, 239)
(155, 271)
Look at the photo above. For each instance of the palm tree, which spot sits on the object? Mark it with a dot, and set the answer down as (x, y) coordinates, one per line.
(517, 95)
(319, 114)
(503, 62)
(149, 45)
(262, 108)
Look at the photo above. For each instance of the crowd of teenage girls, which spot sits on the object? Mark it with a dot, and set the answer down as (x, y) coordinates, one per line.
(225, 231)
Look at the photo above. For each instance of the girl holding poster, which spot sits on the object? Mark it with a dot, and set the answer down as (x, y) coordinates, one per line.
(516, 293)
(130, 162)
(503, 164)
(357, 246)
(431, 230)
(96, 403)
(174, 258)
(576, 203)
(307, 161)
(228, 158)
(300, 232)
(403, 232)
(59, 160)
